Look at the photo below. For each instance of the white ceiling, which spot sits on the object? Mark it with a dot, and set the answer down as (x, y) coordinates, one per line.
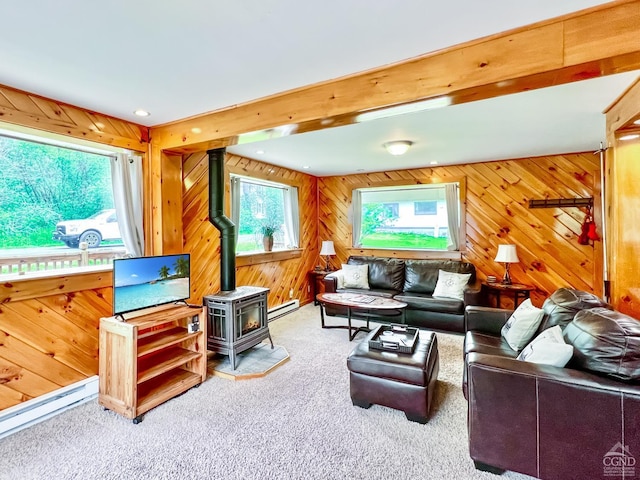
(179, 59)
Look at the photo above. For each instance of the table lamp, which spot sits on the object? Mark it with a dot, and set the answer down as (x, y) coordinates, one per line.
(507, 254)
(327, 250)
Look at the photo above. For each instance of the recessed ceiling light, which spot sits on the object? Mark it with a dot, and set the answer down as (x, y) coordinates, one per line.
(360, 170)
(141, 113)
(306, 167)
(260, 152)
(433, 162)
(196, 130)
(631, 136)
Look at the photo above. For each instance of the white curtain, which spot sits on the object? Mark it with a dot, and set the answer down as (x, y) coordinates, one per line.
(235, 204)
(356, 216)
(126, 179)
(292, 217)
(453, 215)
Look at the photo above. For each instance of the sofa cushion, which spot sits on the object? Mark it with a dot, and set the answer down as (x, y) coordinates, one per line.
(605, 341)
(548, 348)
(490, 344)
(421, 301)
(451, 285)
(564, 303)
(355, 276)
(522, 325)
(384, 273)
(421, 276)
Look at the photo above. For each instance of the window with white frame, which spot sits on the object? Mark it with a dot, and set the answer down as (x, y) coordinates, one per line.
(53, 196)
(414, 217)
(260, 206)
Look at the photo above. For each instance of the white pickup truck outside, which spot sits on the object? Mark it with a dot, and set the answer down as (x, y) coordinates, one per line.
(93, 230)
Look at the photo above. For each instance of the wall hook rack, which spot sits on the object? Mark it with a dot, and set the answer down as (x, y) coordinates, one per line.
(561, 202)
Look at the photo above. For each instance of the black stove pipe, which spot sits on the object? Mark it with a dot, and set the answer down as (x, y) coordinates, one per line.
(221, 221)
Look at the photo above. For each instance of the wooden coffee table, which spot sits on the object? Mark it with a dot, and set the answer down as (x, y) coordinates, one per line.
(367, 306)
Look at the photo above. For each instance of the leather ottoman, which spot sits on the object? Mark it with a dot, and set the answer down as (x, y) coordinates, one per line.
(404, 381)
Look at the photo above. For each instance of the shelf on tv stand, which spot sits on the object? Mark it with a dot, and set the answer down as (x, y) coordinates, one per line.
(150, 358)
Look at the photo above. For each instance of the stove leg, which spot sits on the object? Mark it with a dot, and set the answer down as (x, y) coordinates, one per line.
(232, 359)
(271, 341)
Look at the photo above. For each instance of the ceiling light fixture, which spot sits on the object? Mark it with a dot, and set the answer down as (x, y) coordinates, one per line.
(141, 113)
(631, 136)
(398, 147)
(637, 122)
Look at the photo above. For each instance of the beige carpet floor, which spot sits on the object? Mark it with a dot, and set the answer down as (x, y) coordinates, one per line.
(297, 422)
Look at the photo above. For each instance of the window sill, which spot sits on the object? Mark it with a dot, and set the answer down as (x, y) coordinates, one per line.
(16, 287)
(246, 259)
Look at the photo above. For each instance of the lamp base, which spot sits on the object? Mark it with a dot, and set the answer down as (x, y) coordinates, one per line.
(328, 266)
(506, 280)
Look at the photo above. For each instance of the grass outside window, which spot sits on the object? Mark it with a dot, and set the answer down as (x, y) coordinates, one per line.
(401, 240)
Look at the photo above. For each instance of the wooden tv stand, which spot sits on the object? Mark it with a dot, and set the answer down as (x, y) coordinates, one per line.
(150, 358)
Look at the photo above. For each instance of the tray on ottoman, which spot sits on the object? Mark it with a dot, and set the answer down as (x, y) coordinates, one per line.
(394, 338)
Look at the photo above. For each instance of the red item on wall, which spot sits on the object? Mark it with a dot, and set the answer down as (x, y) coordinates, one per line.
(588, 233)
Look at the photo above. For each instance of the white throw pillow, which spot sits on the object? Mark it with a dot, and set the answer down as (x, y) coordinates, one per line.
(355, 276)
(451, 285)
(522, 325)
(548, 348)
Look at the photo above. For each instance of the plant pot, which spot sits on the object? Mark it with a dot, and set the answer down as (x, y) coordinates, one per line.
(268, 243)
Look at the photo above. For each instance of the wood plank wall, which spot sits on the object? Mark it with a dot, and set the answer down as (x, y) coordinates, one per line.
(26, 109)
(202, 239)
(497, 212)
(48, 342)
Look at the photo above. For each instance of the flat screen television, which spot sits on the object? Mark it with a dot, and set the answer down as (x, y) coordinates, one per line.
(144, 282)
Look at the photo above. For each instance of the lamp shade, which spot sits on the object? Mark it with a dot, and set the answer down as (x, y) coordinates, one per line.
(327, 248)
(507, 254)
(398, 147)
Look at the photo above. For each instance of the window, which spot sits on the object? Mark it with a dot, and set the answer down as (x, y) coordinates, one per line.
(425, 208)
(258, 205)
(53, 197)
(416, 217)
(392, 209)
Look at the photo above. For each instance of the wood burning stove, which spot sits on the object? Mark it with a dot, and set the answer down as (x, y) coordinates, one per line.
(237, 320)
(237, 317)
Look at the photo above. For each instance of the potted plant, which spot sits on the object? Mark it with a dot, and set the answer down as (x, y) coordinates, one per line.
(267, 236)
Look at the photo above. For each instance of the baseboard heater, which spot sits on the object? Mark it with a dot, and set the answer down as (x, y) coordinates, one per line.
(283, 309)
(14, 419)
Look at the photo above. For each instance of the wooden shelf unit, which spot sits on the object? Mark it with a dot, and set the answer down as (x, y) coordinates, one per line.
(150, 358)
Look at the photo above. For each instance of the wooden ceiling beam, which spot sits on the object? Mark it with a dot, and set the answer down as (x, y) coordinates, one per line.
(595, 42)
(624, 110)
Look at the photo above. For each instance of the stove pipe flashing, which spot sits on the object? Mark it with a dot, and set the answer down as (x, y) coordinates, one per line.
(221, 221)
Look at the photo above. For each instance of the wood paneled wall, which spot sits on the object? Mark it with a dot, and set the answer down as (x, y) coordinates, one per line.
(497, 212)
(50, 340)
(26, 109)
(625, 241)
(202, 239)
(623, 197)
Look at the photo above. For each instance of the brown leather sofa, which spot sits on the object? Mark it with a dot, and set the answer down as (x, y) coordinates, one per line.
(577, 422)
(413, 281)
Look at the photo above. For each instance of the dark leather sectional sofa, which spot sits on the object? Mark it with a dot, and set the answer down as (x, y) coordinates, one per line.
(413, 281)
(577, 422)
